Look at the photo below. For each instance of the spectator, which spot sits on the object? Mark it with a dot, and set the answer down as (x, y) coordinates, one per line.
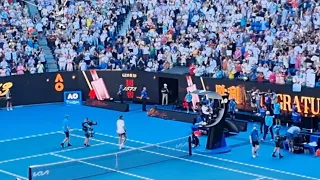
(32, 69)
(79, 35)
(40, 67)
(17, 42)
(2, 71)
(20, 69)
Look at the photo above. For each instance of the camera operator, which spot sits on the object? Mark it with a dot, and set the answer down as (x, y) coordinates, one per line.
(86, 128)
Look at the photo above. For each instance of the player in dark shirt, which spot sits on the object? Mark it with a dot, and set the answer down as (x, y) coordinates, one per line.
(277, 141)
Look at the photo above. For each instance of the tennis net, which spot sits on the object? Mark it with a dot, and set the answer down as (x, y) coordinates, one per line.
(73, 169)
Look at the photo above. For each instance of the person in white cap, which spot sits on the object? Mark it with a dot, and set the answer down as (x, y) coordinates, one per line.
(268, 122)
(165, 94)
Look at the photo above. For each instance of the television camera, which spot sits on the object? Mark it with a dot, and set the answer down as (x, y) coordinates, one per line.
(87, 127)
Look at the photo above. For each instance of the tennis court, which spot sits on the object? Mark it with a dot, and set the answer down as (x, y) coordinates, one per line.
(156, 149)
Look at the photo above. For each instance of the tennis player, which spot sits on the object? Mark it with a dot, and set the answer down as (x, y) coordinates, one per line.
(121, 130)
(277, 142)
(254, 140)
(9, 101)
(66, 130)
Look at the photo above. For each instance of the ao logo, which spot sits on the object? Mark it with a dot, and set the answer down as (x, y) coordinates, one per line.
(73, 96)
(41, 173)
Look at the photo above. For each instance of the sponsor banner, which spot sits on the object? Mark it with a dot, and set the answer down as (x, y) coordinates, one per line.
(73, 97)
(116, 106)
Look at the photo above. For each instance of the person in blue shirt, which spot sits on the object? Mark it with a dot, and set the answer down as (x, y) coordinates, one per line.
(66, 130)
(211, 104)
(292, 132)
(232, 108)
(120, 93)
(268, 122)
(219, 74)
(188, 98)
(254, 140)
(263, 111)
(277, 141)
(294, 108)
(204, 100)
(144, 97)
(194, 126)
(296, 118)
(277, 112)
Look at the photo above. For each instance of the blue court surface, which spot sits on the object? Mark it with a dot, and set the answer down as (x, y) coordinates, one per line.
(31, 135)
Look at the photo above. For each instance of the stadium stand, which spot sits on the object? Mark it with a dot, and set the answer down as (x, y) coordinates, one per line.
(19, 42)
(275, 41)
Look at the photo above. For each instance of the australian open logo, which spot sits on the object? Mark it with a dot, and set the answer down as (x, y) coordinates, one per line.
(72, 97)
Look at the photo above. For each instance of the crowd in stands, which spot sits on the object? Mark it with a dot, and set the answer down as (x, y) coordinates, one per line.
(83, 34)
(19, 48)
(258, 40)
(276, 41)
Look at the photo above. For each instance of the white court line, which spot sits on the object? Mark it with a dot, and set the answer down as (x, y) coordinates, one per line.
(29, 137)
(183, 159)
(12, 174)
(221, 159)
(46, 154)
(109, 154)
(102, 167)
(258, 179)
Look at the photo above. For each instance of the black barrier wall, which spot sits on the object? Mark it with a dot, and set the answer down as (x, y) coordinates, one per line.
(37, 88)
(49, 87)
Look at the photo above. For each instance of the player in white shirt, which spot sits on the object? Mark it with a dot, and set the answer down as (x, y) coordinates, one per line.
(121, 130)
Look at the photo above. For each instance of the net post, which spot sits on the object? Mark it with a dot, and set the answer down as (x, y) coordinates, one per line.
(30, 173)
(189, 146)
